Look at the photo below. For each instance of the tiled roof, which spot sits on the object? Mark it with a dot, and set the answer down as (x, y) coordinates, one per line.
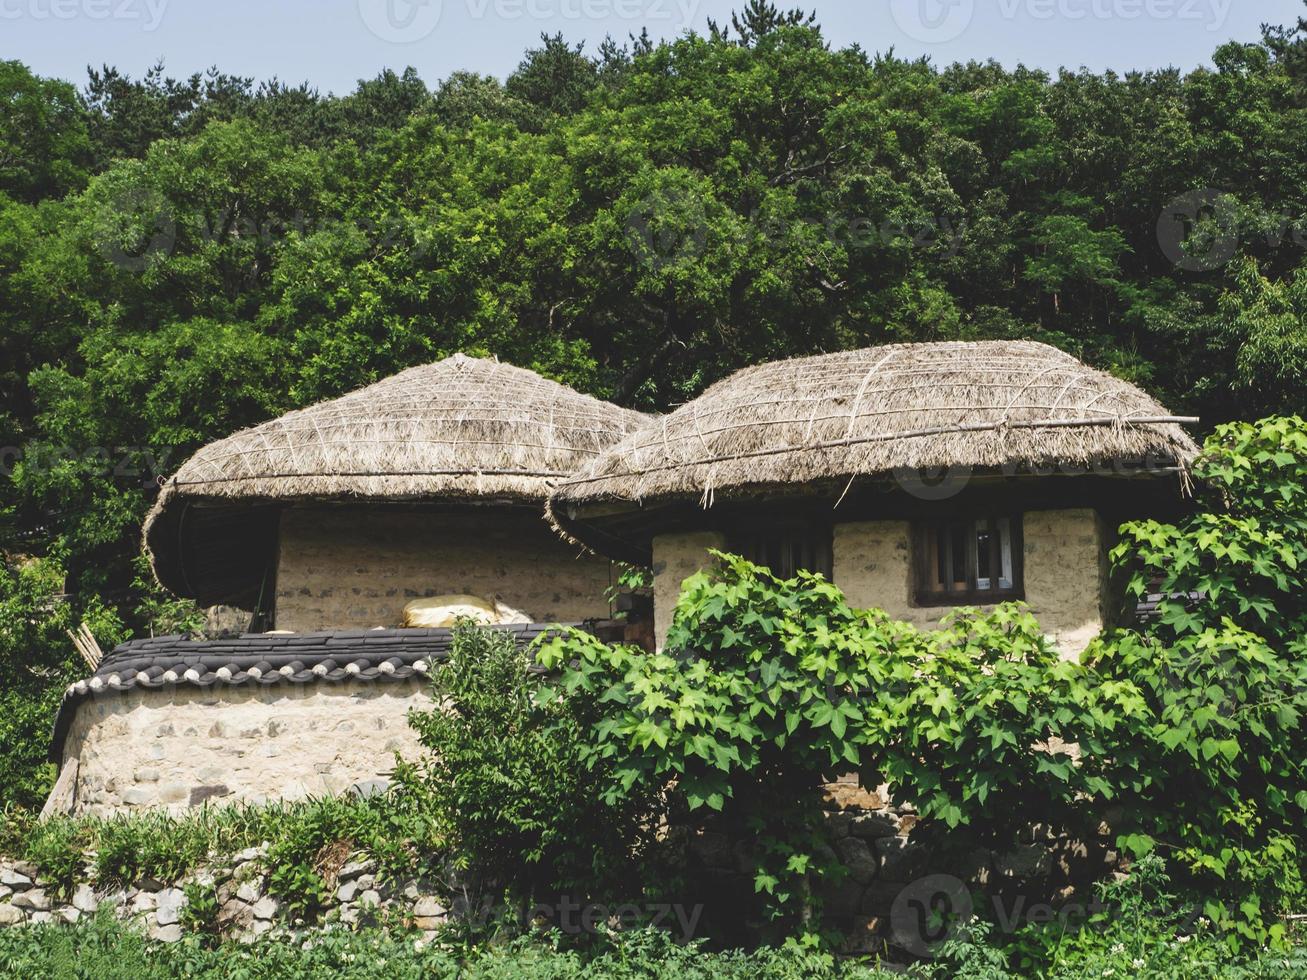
(265, 659)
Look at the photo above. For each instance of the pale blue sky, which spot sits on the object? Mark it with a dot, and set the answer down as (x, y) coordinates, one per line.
(331, 43)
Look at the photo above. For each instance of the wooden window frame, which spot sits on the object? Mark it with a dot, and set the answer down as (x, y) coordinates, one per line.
(819, 535)
(924, 595)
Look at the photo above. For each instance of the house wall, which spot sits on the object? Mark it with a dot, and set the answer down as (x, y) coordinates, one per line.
(1064, 554)
(357, 567)
(675, 558)
(178, 747)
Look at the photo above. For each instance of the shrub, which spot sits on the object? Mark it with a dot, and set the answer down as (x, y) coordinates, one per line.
(769, 688)
(1215, 767)
(37, 661)
(504, 786)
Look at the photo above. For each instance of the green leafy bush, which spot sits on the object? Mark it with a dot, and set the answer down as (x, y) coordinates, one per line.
(769, 688)
(101, 949)
(1185, 734)
(503, 784)
(37, 661)
(1215, 766)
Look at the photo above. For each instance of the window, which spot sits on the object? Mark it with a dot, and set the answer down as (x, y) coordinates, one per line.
(968, 561)
(787, 549)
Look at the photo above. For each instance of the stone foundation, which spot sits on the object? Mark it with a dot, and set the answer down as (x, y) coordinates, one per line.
(181, 746)
(246, 910)
(890, 875)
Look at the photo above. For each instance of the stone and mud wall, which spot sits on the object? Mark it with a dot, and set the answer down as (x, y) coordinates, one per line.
(1064, 555)
(179, 746)
(357, 567)
(239, 884)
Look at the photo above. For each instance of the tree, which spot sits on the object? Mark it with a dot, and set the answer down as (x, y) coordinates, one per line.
(556, 78)
(45, 148)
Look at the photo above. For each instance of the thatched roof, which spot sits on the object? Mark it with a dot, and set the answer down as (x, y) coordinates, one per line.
(991, 404)
(463, 428)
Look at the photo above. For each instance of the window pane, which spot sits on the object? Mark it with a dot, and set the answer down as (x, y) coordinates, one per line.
(1005, 552)
(958, 562)
(963, 562)
(984, 542)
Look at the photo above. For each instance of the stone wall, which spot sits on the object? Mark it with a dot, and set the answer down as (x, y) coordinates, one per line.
(240, 886)
(357, 567)
(177, 747)
(891, 876)
(675, 558)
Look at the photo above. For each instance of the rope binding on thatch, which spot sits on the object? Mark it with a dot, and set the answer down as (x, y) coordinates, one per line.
(462, 428)
(990, 404)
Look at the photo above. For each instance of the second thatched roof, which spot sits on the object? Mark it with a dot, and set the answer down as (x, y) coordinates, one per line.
(462, 429)
(990, 404)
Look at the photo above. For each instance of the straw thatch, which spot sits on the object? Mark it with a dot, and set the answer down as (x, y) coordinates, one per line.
(463, 428)
(993, 404)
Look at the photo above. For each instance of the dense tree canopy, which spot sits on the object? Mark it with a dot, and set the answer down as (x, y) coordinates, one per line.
(179, 258)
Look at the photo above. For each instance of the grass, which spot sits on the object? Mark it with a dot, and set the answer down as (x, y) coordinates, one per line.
(127, 848)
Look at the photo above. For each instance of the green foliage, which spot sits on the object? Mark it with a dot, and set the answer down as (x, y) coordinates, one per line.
(45, 148)
(1186, 736)
(1215, 767)
(301, 837)
(767, 689)
(101, 948)
(199, 916)
(1147, 929)
(163, 613)
(37, 661)
(503, 785)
